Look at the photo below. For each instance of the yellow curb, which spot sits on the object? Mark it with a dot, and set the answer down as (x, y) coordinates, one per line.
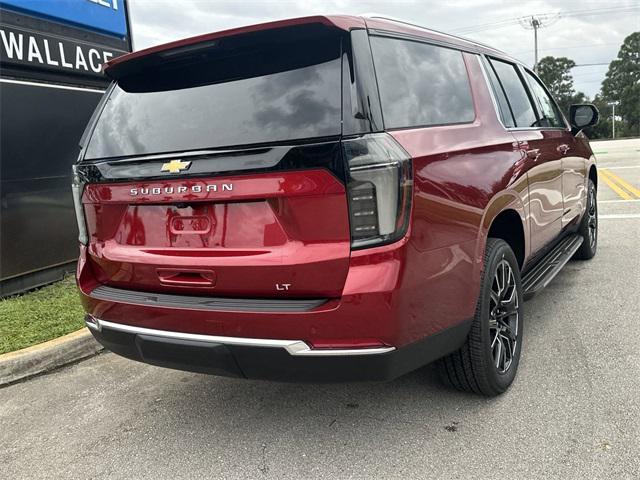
(49, 343)
(47, 356)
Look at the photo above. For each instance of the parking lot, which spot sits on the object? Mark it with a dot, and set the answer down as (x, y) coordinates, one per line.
(573, 411)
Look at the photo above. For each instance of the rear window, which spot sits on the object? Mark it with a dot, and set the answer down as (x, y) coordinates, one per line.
(229, 95)
(421, 84)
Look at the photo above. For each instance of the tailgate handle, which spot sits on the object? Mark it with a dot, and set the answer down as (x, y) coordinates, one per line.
(187, 278)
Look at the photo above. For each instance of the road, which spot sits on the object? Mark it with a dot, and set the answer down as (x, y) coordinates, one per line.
(572, 413)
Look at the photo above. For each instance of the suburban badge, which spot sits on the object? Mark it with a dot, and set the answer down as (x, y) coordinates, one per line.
(182, 189)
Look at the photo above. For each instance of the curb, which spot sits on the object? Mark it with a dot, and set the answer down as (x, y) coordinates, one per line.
(44, 357)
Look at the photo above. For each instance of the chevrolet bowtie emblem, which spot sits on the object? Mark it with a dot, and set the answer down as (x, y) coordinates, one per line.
(175, 166)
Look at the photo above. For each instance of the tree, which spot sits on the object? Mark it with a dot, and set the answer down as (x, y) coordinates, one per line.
(622, 83)
(603, 128)
(555, 72)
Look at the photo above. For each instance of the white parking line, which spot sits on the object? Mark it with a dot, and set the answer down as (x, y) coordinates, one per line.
(619, 215)
(618, 168)
(620, 201)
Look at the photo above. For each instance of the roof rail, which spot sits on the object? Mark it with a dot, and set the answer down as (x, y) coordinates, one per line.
(404, 22)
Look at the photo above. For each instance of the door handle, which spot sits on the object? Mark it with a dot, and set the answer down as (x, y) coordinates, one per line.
(533, 153)
(563, 149)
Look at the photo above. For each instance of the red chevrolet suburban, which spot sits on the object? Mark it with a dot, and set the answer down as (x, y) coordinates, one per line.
(328, 198)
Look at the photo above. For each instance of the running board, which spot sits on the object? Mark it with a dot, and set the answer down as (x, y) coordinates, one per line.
(550, 265)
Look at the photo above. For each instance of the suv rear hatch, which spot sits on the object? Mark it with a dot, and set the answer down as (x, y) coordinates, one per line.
(221, 168)
(218, 169)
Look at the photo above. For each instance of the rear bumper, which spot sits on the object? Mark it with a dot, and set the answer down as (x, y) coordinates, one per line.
(389, 320)
(268, 359)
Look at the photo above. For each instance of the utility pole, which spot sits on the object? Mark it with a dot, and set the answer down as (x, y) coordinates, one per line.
(613, 117)
(536, 22)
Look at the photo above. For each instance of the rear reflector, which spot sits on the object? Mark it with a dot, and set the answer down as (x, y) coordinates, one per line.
(379, 187)
(352, 343)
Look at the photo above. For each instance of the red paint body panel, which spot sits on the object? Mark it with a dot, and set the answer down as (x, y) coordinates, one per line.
(460, 171)
(267, 185)
(293, 228)
(360, 313)
(266, 225)
(381, 302)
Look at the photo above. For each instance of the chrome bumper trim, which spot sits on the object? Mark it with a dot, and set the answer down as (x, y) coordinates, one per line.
(293, 347)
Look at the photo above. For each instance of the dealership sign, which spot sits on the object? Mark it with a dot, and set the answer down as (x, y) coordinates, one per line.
(26, 48)
(104, 16)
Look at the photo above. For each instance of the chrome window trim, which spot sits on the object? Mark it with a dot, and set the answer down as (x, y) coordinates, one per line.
(468, 41)
(297, 348)
(538, 128)
(376, 32)
(495, 101)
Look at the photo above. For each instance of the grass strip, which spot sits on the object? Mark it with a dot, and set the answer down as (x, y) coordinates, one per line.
(40, 315)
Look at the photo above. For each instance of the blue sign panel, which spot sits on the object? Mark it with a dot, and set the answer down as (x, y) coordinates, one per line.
(106, 16)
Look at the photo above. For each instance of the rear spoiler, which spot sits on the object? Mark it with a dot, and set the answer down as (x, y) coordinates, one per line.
(132, 63)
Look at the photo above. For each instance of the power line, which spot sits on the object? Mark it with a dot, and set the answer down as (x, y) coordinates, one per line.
(538, 21)
(603, 11)
(486, 26)
(590, 64)
(561, 14)
(572, 47)
(588, 77)
(483, 26)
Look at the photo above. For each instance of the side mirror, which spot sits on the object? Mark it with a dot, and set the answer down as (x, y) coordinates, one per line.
(582, 116)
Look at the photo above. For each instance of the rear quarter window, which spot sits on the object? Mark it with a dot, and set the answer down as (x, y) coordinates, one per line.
(421, 84)
(516, 93)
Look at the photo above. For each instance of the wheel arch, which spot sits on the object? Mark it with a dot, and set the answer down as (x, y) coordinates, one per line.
(505, 218)
(507, 226)
(593, 175)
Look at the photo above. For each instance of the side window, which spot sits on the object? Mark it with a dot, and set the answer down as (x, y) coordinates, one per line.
(550, 115)
(421, 84)
(523, 112)
(503, 104)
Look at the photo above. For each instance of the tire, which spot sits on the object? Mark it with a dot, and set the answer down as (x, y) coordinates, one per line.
(589, 226)
(478, 366)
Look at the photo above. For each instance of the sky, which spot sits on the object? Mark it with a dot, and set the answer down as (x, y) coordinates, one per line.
(587, 31)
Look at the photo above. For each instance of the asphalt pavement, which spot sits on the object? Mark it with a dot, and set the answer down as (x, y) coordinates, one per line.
(572, 413)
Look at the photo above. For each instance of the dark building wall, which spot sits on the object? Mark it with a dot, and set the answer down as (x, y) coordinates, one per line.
(45, 104)
(41, 126)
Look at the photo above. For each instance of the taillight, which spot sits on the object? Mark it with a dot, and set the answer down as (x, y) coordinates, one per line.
(77, 187)
(379, 187)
